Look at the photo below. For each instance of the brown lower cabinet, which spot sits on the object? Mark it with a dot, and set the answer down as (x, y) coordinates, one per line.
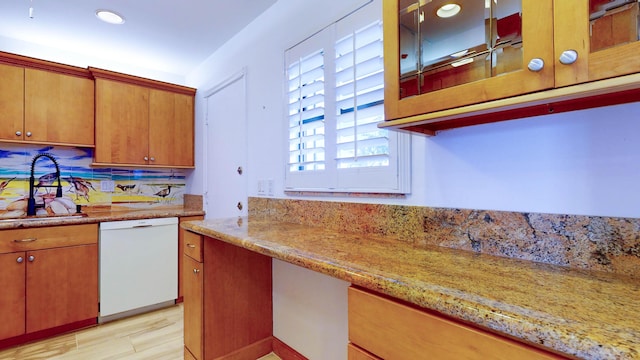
(181, 246)
(356, 353)
(49, 281)
(382, 328)
(228, 315)
(227, 300)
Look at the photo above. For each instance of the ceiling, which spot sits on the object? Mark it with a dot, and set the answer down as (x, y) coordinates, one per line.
(164, 35)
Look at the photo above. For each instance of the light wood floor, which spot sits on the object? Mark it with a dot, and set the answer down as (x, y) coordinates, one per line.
(153, 336)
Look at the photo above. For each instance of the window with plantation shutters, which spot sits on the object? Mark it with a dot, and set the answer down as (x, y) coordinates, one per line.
(306, 113)
(359, 94)
(335, 99)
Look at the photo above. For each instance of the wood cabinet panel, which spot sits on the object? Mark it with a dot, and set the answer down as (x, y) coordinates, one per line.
(122, 122)
(188, 355)
(193, 306)
(45, 102)
(58, 108)
(143, 122)
(238, 293)
(193, 245)
(537, 37)
(606, 71)
(13, 240)
(615, 57)
(183, 249)
(237, 298)
(11, 101)
(12, 298)
(171, 128)
(227, 302)
(62, 286)
(392, 330)
(355, 353)
(55, 284)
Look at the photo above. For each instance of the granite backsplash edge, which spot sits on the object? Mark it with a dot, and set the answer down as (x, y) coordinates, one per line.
(584, 242)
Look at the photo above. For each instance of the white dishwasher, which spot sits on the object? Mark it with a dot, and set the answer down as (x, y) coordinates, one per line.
(138, 266)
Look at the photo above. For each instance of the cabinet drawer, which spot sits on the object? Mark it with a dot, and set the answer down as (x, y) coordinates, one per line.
(187, 355)
(355, 353)
(47, 237)
(193, 245)
(391, 330)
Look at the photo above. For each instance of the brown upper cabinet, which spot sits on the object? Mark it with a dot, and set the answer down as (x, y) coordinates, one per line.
(457, 63)
(45, 103)
(143, 122)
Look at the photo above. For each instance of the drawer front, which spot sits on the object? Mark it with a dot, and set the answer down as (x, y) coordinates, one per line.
(193, 245)
(391, 330)
(188, 355)
(47, 237)
(355, 353)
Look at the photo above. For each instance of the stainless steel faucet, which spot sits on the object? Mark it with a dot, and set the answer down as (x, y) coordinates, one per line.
(31, 203)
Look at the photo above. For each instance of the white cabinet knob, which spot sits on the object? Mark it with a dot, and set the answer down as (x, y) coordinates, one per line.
(568, 57)
(536, 64)
(18, 133)
(195, 271)
(146, 158)
(153, 159)
(19, 260)
(31, 258)
(28, 134)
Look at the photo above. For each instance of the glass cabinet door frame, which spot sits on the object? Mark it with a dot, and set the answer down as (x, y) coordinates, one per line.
(538, 43)
(572, 33)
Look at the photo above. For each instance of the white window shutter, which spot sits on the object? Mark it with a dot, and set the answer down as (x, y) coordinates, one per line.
(335, 89)
(306, 113)
(360, 100)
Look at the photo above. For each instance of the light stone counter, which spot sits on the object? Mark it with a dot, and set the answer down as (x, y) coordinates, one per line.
(95, 217)
(582, 313)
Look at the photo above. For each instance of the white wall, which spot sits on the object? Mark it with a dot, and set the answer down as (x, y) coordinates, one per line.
(84, 58)
(584, 162)
(310, 311)
(260, 48)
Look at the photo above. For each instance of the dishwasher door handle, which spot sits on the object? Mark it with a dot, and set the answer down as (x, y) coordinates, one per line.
(142, 226)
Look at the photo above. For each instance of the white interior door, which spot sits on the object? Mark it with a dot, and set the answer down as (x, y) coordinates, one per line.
(226, 149)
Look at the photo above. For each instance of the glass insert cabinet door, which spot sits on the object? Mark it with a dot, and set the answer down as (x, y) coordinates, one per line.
(449, 53)
(602, 33)
(444, 44)
(445, 54)
(612, 23)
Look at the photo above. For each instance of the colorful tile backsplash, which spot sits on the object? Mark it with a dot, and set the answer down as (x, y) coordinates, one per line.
(82, 184)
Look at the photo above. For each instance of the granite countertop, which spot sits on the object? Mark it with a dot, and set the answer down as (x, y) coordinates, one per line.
(585, 314)
(95, 217)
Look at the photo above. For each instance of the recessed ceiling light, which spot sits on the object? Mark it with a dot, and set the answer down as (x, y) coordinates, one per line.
(110, 17)
(448, 10)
